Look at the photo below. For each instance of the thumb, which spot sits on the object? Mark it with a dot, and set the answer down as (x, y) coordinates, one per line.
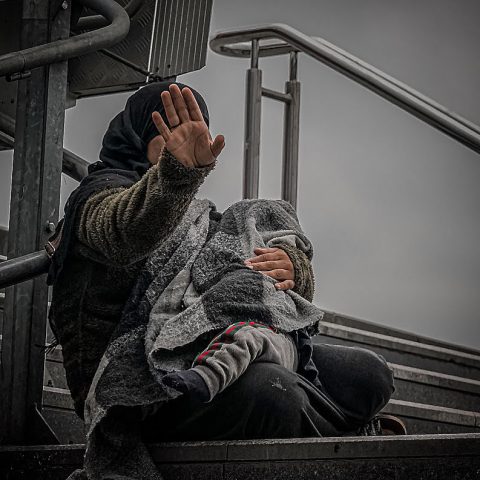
(217, 146)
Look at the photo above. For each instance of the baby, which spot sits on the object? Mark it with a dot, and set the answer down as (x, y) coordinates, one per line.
(228, 355)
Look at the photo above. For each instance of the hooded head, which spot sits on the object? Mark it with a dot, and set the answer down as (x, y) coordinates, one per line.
(125, 142)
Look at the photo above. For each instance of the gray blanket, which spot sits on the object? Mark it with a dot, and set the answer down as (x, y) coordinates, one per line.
(192, 286)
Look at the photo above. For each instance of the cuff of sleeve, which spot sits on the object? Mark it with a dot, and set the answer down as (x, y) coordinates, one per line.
(304, 279)
(175, 172)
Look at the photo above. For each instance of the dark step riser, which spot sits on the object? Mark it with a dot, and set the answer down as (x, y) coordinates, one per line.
(372, 469)
(432, 395)
(418, 426)
(421, 469)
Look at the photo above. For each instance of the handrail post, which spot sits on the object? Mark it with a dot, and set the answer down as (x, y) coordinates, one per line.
(253, 111)
(35, 196)
(291, 133)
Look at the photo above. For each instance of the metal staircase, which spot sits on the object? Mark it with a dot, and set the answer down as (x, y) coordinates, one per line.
(438, 384)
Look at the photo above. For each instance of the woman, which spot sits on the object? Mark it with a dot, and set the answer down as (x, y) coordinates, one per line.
(135, 201)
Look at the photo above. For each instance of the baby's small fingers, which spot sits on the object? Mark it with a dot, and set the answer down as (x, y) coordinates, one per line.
(285, 285)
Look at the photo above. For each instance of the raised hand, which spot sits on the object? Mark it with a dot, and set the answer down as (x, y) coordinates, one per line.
(187, 136)
(275, 263)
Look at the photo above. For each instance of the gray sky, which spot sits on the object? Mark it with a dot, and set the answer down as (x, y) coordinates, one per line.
(390, 204)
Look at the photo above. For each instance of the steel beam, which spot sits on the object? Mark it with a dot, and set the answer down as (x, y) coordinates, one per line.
(34, 204)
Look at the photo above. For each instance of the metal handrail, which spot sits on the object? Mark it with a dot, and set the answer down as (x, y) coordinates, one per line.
(82, 44)
(72, 165)
(96, 21)
(23, 268)
(232, 43)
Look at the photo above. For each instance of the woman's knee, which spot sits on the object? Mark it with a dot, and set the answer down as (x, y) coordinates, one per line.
(358, 380)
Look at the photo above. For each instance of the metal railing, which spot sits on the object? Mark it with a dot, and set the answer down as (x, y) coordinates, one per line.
(19, 269)
(283, 39)
(23, 268)
(61, 50)
(97, 21)
(72, 165)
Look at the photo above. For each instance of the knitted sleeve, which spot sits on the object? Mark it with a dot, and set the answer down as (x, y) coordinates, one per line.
(124, 224)
(304, 279)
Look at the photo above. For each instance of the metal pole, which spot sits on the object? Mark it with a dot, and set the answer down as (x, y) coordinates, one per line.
(253, 112)
(291, 135)
(33, 206)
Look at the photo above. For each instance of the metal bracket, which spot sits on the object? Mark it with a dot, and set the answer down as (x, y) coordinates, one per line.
(13, 77)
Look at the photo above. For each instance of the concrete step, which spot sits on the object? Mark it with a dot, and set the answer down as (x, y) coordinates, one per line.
(432, 419)
(423, 386)
(439, 457)
(58, 411)
(404, 352)
(54, 372)
(365, 325)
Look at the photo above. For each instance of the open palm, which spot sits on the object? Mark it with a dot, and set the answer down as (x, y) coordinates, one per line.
(188, 137)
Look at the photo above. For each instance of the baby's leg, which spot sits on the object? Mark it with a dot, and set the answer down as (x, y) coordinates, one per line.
(228, 356)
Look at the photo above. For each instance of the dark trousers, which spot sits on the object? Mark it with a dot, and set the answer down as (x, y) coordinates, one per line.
(268, 401)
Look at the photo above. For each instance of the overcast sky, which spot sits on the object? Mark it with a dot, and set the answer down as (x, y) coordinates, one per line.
(391, 205)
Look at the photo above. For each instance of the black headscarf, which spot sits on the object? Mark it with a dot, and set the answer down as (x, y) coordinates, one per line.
(125, 143)
(123, 158)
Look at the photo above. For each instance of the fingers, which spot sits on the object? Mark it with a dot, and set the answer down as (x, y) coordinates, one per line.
(217, 146)
(278, 274)
(179, 104)
(170, 111)
(161, 126)
(285, 285)
(260, 250)
(192, 105)
(269, 265)
(274, 254)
